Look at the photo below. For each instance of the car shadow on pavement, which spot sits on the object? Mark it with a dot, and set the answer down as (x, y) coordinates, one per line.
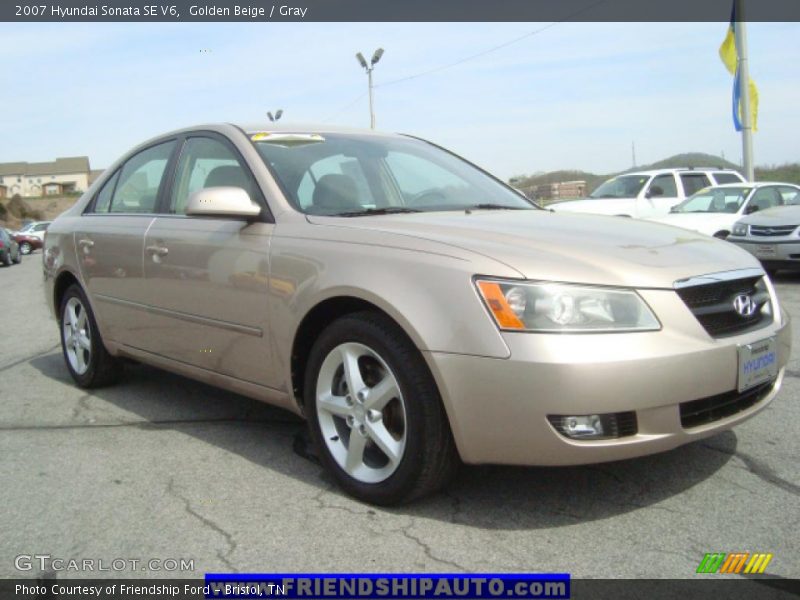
(490, 497)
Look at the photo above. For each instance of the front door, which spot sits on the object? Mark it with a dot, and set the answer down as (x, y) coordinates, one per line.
(207, 277)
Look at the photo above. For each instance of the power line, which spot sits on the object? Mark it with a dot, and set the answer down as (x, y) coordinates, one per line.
(470, 57)
(493, 48)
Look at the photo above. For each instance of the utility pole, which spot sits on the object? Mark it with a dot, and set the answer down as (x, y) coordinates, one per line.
(368, 67)
(744, 91)
(633, 152)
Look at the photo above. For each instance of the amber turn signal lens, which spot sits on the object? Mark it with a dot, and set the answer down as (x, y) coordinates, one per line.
(496, 301)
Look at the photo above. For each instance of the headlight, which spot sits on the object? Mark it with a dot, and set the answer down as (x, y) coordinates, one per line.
(556, 307)
(740, 229)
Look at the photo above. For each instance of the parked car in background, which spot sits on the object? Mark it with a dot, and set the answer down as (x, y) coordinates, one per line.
(714, 210)
(772, 236)
(413, 308)
(27, 242)
(9, 249)
(647, 193)
(35, 229)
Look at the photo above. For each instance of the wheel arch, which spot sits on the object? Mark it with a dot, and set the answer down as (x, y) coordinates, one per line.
(61, 284)
(321, 315)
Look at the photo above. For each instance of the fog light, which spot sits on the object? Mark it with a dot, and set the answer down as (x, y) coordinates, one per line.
(595, 427)
(583, 426)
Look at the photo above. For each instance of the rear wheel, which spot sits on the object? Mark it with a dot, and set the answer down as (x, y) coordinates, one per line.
(87, 359)
(374, 412)
(25, 248)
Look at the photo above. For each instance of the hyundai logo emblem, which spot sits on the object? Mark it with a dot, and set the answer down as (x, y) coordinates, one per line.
(744, 305)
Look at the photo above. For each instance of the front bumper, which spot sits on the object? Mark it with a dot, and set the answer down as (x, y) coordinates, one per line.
(782, 254)
(498, 407)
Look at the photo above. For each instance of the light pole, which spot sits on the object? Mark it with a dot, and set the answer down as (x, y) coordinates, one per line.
(368, 68)
(278, 114)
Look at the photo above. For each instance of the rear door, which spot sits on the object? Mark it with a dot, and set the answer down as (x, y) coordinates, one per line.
(208, 277)
(692, 182)
(110, 241)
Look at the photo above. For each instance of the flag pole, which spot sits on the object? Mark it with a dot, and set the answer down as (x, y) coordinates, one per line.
(744, 91)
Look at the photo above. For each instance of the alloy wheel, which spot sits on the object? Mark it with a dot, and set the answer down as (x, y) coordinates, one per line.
(77, 335)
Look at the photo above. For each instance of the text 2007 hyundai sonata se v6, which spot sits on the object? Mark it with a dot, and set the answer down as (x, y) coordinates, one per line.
(416, 310)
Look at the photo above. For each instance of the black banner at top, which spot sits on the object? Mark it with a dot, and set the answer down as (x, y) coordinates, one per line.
(392, 10)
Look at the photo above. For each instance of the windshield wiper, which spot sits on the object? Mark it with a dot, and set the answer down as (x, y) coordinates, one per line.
(387, 210)
(490, 206)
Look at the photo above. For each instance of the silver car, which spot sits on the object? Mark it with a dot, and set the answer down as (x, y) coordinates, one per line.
(772, 235)
(416, 310)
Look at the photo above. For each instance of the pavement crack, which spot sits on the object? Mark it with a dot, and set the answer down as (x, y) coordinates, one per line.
(427, 550)
(20, 361)
(760, 469)
(322, 505)
(224, 557)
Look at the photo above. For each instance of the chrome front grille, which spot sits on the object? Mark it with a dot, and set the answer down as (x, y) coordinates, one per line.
(772, 230)
(712, 300)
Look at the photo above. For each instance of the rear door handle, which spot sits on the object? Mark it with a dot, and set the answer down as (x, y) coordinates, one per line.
(158, 250)
(85, 244)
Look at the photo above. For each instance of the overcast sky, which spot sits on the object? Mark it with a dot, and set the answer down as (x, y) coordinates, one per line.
(573, 96)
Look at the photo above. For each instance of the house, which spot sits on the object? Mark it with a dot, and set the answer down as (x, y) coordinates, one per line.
(63, 176)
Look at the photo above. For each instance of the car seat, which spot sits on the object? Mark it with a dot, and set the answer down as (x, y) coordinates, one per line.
(335, 193)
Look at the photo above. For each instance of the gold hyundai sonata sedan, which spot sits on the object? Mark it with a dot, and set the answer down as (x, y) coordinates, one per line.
(417, 311)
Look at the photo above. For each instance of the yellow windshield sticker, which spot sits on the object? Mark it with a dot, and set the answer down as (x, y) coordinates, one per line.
(286, 139)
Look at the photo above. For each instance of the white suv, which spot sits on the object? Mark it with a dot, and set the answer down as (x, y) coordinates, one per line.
(647, 194)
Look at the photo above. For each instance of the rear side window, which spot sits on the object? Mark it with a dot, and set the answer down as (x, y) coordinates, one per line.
(694, 182)
(140, 179)
(727, 178)
(103, 200)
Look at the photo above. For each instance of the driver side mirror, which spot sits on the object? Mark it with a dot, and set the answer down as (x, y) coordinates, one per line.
(654, 191)
(751, 208)
(222, 202)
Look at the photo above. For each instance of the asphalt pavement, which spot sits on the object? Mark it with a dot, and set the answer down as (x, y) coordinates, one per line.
(161, 467)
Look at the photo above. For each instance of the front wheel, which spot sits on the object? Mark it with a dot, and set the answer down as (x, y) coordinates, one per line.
(86, 356)
(374, 412)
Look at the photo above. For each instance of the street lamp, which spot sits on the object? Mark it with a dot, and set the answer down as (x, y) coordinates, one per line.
(278, 114)
(376, 56)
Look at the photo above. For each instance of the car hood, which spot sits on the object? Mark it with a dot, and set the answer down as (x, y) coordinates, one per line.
(564, 247)
(594, 205)
(708, 223)
(779, 215)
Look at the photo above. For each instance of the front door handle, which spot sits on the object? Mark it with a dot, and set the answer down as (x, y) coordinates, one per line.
(158, 250)
(85, 243)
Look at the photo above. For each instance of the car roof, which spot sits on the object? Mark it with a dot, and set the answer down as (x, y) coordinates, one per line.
(752, 184)
(652, 172)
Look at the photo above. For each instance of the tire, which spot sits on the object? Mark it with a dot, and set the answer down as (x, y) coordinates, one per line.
(18, 259)
(722, 235)
(405, 417)
(7, 258)
(25, 248)
(88, 361)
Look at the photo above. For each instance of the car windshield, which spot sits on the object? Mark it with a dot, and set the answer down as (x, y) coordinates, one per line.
(624, 186)
(362, 175)
(714, 200)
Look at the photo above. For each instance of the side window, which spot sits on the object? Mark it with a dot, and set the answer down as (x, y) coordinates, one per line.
(694, 182)
(790, 195)
(666, 184)
(103, 200)
(206, 162)
(727, 178)
(139, 180)
(765, 197)
(334, 183)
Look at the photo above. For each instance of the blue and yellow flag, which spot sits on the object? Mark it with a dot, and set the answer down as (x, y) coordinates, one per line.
(730, 58)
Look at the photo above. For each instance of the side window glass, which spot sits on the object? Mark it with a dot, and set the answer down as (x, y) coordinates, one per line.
(139, 180)
(790, 195)
(726, 178)
(693, 182)
(103, 200)
(663, 186)
(333, 184)
(766, 197)
(204, 163)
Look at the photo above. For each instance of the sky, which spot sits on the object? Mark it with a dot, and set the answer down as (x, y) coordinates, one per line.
(571, 96)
